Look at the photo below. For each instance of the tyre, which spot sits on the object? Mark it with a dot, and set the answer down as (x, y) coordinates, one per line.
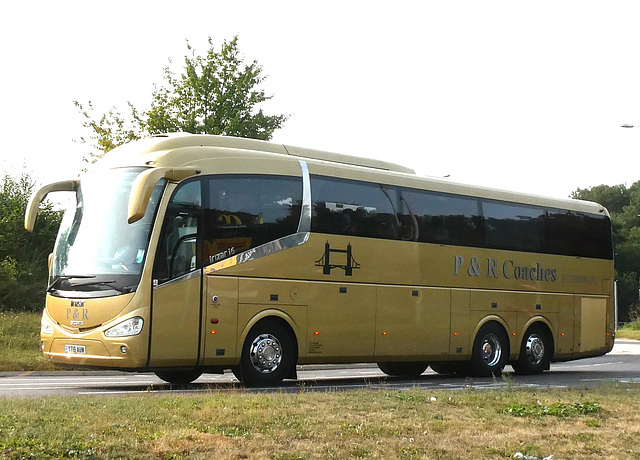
(179, 377)
(403, 369)
(490, 351)
(447, 367)
(267, 356)
(535, 352)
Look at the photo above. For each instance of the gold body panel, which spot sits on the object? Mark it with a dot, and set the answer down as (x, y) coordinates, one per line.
(415, 310)
(415, 307)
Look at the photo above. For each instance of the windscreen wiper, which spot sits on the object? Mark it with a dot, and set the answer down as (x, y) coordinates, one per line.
(100, 283)
(67, 278)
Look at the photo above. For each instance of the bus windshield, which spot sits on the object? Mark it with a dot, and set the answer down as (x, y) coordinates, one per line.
(97, 252)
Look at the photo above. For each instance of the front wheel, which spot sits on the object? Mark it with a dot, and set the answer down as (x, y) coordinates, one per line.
(403, 369)
(179, 377)
(535, 352)
(490, 351)
(267, 355)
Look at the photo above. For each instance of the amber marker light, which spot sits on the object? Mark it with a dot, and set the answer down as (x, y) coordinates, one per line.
(513, 334)
(455, 334)
(214, 332)
(562, 334)
(316, 333)
(385, 333)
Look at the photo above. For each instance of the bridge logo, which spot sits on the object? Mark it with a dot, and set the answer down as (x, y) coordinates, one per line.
(328, 263)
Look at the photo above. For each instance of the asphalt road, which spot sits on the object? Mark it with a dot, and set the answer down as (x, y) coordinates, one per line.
(621, 365)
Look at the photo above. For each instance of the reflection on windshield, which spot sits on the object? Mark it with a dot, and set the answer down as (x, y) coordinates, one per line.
(97, 250)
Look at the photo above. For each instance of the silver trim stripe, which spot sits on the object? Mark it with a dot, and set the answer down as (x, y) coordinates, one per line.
(305, 212)
(287, 242)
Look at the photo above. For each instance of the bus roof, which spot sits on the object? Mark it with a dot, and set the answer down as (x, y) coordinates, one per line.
(159, 145)
(153, 150)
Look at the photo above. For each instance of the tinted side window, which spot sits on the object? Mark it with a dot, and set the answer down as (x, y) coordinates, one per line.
(514, 226)
(245, 211)
(578, 234)
(347, 207)
(444, 218)
(188, 194)
(178, 251)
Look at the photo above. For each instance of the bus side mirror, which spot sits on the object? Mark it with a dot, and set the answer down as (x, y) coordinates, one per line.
(32, 208)
(143, 185)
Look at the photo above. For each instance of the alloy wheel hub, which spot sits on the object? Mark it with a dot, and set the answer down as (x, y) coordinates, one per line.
(266, 353)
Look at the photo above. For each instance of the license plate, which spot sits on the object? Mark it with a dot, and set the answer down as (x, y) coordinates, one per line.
(75, 349)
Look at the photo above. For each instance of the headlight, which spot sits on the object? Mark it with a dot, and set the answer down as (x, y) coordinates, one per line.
(132, 326)
(45, 327)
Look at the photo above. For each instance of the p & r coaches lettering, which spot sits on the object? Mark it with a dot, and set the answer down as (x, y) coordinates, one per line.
(493, 268)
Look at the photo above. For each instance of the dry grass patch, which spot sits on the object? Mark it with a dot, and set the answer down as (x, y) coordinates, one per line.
(602, 423)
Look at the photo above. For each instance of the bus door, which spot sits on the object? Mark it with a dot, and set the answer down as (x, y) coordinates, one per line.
(177, 292)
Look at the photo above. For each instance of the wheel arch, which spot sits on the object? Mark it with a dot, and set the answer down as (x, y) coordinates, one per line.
(271, 315)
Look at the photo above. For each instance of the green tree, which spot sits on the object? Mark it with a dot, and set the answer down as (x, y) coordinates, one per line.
(216, 93)
(23, 256)
(614, 198)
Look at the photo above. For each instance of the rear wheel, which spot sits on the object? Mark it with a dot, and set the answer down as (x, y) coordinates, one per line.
(535, 352)
(267, 355)
(404, 369)
(179, 377)
(490, 351)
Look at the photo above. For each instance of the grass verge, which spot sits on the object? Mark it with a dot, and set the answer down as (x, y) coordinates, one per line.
(414, 424)
(629, 331)
(20, 343)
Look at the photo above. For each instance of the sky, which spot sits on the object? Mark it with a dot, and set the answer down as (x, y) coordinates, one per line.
(521, 96)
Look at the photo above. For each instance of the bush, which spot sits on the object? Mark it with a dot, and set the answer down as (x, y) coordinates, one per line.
(635, 326)
(23, 255)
